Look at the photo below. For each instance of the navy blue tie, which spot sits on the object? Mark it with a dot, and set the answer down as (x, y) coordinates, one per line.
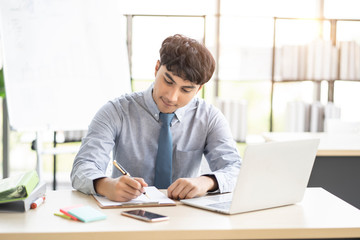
(163, 164)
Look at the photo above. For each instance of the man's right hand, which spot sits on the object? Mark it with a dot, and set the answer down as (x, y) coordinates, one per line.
(121, 189)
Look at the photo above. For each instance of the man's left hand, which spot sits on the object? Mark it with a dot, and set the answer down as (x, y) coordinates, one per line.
(184, 188)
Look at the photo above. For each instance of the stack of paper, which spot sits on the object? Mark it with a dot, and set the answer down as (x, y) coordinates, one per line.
(349, 60)
(235, 111)
(304, 117)
(317, 60)
(317, 117)
(297, 116)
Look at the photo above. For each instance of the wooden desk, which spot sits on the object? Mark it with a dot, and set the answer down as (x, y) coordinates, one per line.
(337, 164)
(319, 215)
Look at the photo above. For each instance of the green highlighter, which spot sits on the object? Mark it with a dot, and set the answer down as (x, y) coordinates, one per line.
(62, 215)
(87, 214)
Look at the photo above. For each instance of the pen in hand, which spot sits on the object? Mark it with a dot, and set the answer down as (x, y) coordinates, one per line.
(124, 172)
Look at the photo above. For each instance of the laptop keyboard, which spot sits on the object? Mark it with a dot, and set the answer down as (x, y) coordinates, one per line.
(221, 205)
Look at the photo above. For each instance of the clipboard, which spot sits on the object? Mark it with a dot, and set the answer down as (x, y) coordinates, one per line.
(157, 199)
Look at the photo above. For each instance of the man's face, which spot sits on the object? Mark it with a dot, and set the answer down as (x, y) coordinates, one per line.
(170, 91)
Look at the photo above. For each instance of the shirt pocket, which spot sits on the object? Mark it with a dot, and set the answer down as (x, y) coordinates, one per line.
(186, 163)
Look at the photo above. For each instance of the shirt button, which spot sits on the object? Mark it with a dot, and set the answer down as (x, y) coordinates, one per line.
(155, 114)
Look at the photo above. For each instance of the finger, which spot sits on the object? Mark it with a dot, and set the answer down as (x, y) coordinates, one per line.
(192, 193)
(122, 192)
(133, 183)
(187, 191)
(125, 197)
(176, 188)
(142, 183)
(171, 189)
(130, 186)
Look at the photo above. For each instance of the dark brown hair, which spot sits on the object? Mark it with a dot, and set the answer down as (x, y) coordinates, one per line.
(187, 58)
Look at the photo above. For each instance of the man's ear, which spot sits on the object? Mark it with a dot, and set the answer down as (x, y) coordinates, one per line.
(157, 66)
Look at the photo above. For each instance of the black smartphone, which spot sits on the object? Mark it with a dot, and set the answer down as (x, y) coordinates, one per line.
(145, 215)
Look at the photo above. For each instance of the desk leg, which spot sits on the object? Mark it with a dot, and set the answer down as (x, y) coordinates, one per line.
(38, 155)
(54, 158)
(5, 138)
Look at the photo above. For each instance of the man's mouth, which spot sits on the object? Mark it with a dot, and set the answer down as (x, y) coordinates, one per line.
(166, 103)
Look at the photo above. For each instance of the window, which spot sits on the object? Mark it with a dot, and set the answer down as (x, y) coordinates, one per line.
(148, 32)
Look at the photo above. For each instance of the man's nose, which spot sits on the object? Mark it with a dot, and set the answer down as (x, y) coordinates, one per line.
(173, 95)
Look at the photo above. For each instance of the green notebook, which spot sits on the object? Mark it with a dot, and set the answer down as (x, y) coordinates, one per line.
(18, 187)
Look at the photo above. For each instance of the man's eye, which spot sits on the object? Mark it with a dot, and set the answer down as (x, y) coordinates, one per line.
(168, 82)
(186, 91)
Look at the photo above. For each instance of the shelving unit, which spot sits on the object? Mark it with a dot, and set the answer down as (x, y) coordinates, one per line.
(317, 82)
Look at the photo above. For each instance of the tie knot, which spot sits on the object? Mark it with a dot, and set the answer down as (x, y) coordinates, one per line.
(166, 118)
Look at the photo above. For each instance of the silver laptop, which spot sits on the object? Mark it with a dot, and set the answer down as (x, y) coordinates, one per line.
(272, 174)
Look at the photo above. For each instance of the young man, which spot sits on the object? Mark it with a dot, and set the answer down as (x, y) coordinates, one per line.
(130, 127)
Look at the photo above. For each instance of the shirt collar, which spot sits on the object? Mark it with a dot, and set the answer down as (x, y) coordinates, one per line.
(154, 110)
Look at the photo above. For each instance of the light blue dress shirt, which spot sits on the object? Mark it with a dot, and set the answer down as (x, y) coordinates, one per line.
(129, 127)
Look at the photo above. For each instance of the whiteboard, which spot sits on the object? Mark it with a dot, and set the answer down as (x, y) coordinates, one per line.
(63, 60)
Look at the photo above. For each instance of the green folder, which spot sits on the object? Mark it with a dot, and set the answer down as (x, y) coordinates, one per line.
(18, 186)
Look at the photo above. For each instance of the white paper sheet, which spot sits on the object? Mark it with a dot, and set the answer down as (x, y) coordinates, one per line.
(155, 197)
